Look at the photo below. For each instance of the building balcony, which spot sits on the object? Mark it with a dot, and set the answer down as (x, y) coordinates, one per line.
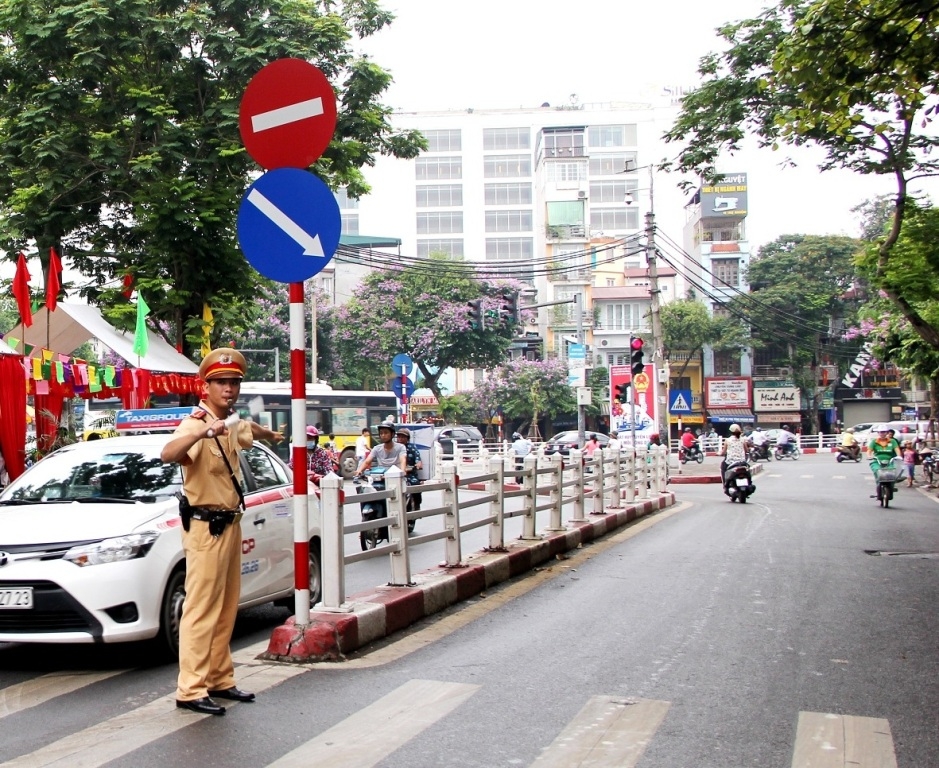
(563, 274)
(566, 232)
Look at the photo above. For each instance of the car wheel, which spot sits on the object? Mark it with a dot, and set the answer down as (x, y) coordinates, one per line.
(171, 613)
(348, 464)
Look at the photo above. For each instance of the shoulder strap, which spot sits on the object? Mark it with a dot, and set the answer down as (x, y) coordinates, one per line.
(231, 474)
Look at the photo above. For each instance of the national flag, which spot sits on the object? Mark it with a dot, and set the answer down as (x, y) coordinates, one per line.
(207, 328)
(141, 342)
(21, 291)
(54, 283)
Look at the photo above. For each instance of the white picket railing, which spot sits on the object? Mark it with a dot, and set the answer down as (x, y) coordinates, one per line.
(588, 485)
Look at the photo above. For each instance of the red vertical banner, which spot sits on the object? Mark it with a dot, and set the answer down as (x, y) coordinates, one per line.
(633, 406)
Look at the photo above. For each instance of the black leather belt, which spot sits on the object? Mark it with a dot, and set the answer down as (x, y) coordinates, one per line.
(205, 515)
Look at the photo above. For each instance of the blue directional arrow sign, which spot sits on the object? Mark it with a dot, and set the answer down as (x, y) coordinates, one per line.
(400, 361)
(289, 225)
(397, 388)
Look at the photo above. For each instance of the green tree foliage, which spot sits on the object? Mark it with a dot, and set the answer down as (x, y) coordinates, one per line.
(527, 389)
(119, 135)
(688, 326)
(854, 77)
(915, 267)
(419, 309)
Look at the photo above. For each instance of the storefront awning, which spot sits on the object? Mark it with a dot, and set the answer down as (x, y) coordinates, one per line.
(731, 416)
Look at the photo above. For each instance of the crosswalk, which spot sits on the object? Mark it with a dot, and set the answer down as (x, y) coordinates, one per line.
(608, 730)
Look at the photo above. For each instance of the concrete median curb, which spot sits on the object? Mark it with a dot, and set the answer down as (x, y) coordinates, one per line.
(383, 611)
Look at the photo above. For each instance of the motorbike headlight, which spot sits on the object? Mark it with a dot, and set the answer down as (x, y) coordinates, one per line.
(113, 550)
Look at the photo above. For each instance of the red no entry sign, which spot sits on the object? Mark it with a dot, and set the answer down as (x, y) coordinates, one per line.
(287, 115)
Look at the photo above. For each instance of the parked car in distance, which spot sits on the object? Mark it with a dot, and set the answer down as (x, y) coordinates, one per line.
(562, 442)
(463, 435)
(92, 551)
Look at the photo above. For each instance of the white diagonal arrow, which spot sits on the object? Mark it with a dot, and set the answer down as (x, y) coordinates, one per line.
(310, 243)
(289, 114)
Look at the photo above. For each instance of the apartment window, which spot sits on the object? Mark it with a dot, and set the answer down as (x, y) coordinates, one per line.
(440, 196)
(350, 223)
(611, 191)
(433, 168)
(563, 142)
(729, 233)
(564, 313)
(725, 272)
(506, 166)
(720, 311)
(622, 316)
(506, 138)
(508, 194)
(509, 248)
(610, 282)
(612, 360)
(443, 141)
(610, 164)
(726, 363)
(346, 203)
(557, 171)
(442, 222)
(508, 221)
(453, 247)
(612, 135)
(613, 219)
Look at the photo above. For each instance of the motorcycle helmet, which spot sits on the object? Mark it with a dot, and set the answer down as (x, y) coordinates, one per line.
(403, 432)
(516, 436)
(687, 429)
(735, 429)
(850, 430)
(386, 425)
(312, 432)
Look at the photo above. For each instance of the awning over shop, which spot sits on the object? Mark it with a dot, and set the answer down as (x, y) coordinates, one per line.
(778, 418)
(731, 416)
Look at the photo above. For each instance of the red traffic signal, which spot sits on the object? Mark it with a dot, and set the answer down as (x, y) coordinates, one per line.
(637, 365)
(636, 343)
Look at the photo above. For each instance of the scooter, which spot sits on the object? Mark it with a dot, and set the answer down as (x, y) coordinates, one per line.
(886, 474)
(929, 465)
(373, 480)
(781, 452)
(758, 452)
(738, 482)
(848, 453)
(693, 453)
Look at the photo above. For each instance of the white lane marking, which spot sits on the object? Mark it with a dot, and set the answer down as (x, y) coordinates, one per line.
(310, 243)
(371, 734)
(824, 740)
(120, 735)
(16, 698)
(292, 113)
(609, 732)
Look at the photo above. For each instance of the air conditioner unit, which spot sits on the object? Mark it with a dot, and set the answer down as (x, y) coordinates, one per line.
(581, 195)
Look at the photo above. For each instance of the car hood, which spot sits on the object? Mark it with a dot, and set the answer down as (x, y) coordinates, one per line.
(72, 521)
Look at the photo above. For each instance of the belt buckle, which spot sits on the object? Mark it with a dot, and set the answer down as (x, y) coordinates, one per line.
(237, 517)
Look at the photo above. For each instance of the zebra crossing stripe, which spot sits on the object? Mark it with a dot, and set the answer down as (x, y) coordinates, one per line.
(609, 732)
(371, 734)
(32, 693)
(824, 740)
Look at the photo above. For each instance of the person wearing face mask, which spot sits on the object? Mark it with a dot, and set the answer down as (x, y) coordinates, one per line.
(207, 445)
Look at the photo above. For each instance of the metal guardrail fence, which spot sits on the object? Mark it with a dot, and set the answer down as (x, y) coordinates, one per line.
(588, 484)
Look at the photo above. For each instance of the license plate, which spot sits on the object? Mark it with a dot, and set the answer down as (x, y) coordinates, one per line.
(742, 481)
(20, 597)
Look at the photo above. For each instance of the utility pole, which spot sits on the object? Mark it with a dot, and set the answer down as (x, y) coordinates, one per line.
(658, 342)
(579, 316)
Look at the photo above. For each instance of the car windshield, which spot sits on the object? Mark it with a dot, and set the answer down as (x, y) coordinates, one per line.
(128, 474)
(565, 437)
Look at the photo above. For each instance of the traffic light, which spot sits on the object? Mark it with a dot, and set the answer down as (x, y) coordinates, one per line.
(514, 308)
(635, 355)
(622, 392)
(477, 315)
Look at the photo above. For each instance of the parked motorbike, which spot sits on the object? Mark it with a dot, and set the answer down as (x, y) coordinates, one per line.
(787, 451)
(929, 465)
(848, 453)
(373, 480)
(886, 474)
(760, 452)
(738, 482)
(693, 453)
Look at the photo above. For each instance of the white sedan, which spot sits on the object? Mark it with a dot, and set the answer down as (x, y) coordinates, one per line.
(91, 552)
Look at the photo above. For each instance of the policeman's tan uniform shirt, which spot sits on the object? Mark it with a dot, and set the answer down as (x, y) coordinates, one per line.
(213, 576)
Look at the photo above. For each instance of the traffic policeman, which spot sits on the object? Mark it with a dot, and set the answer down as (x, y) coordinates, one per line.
(207, 445)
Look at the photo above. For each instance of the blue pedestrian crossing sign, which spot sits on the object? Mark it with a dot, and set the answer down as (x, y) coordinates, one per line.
(679, 401)
(289, 225)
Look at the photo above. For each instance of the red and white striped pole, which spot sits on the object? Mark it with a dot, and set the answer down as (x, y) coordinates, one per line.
(298, 452)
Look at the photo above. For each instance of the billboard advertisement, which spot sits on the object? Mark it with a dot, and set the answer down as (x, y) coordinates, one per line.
(727, 197)
(727, 393)
(638, 413)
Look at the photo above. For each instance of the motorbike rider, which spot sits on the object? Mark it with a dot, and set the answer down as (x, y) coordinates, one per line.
(387, 453)
(520, 449)
(413, 462)
(733, 450)
(689, 443)
(785, 440)
(318, 461)
(849, 443)
(883, 447)
(760, 442)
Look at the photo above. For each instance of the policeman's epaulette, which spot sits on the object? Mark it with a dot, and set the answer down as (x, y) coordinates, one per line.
(198, 413)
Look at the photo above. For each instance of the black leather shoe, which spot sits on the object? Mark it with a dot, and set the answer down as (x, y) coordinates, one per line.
(204, 706)
(234, 694)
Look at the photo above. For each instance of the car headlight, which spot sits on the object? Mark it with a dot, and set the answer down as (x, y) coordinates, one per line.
(113, 550)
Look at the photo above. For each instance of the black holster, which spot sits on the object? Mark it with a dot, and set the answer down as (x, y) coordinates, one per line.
(185, 512)
(218, 522)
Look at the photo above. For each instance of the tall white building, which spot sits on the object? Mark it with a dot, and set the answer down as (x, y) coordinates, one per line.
(541, 195)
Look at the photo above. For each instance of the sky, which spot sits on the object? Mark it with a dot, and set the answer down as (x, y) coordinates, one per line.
(521, 53)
